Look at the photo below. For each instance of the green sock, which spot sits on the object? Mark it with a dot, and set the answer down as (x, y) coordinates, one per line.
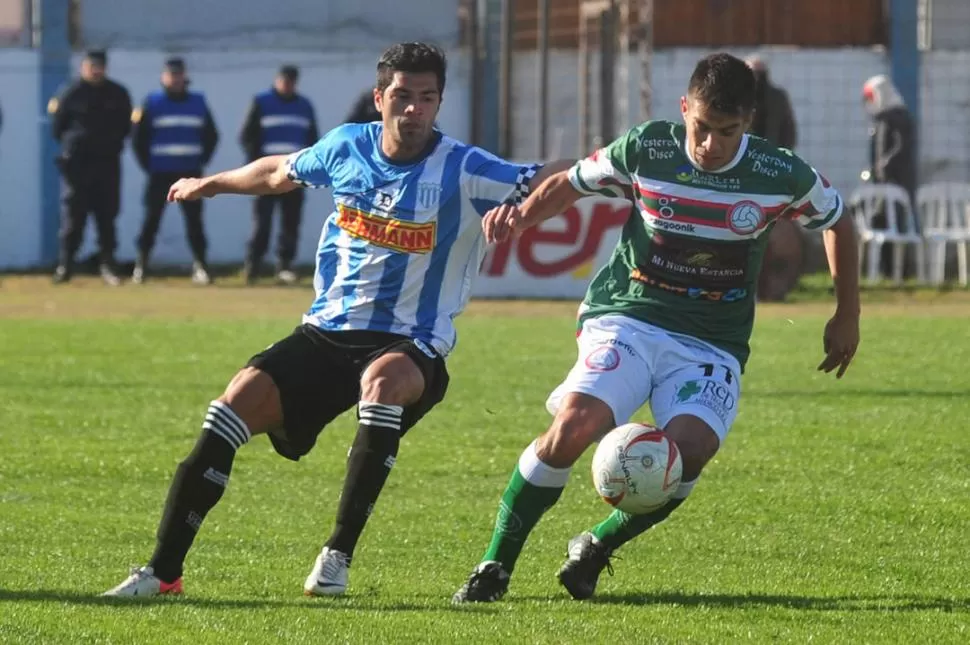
(619, 528)
(520, 509)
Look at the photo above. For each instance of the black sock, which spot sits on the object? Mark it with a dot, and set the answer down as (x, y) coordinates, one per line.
(368, 465)
(199, 482)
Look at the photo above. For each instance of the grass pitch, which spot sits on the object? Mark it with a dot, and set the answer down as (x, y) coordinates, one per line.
(836, 512)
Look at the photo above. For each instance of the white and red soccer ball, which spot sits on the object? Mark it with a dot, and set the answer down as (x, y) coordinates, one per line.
(636, 468)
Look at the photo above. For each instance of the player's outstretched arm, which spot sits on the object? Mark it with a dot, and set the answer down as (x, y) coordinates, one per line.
(553, 194)
(265, 176)
(841, 336)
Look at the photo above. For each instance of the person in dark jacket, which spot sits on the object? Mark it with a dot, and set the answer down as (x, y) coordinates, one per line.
(892, 149)
(774, 120)
(280, 121)
(892, 138)
(175, 137)
(364, 110)
(90, 118)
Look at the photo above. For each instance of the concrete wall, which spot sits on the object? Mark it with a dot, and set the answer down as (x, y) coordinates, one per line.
(824, 85)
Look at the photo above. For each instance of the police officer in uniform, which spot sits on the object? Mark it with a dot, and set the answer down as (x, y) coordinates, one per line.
(90, 118)
(279, 121)
(175, 136)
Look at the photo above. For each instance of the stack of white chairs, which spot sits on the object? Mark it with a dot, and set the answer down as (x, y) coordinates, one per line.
(944, 215)
(900, 229)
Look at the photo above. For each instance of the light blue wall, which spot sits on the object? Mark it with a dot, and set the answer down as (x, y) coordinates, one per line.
(320, 25)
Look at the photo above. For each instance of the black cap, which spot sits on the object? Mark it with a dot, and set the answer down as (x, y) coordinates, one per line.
(176, 65)
(290, 72)
(96, 56)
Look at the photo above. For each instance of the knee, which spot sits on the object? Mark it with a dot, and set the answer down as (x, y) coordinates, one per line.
(253, 396)
(581, 420)
(387, 389)
(392, 380)
(697, 445)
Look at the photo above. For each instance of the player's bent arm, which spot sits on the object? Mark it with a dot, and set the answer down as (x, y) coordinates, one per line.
(842, 251)
(265, 176)
(554, 194)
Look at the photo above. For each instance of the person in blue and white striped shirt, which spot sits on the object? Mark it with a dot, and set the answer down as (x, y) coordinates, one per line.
(395, 266)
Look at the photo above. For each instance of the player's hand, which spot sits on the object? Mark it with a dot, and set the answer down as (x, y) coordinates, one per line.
(501, 222)
(840, 342)
(187, 190)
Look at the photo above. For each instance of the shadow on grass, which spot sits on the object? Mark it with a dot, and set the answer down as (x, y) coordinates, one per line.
(364, 602)
(902, 602)
(368, 602)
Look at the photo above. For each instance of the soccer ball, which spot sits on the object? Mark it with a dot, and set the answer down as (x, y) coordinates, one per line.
(636, 468)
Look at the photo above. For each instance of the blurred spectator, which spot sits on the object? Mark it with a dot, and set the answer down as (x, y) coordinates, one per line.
(774, 120)
(175, 137)
(90, 118)
(892, 149)
(364, 110)
(892, 137)
(280, 121)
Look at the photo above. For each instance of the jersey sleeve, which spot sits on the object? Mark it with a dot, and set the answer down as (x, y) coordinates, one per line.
(608, 172)
(310, 167)
(489, 180)
(816, 204)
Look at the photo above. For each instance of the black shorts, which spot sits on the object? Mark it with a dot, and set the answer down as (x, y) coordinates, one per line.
(318, 374)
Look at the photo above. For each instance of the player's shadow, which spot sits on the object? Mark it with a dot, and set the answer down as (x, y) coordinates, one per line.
(902, 602)
(357, 603)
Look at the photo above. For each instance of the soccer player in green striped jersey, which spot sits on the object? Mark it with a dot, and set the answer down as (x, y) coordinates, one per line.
(668, 319)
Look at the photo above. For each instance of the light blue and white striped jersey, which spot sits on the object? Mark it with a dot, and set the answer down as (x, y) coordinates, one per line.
(401, 249)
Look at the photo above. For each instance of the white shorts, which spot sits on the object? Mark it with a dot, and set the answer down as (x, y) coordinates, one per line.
(625, 363)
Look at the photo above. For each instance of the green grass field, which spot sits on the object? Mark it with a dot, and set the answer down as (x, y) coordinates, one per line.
(837, 511)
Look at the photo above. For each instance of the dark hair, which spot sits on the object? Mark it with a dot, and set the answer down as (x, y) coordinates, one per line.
(724, 83)
(289, 72)
(411, 57)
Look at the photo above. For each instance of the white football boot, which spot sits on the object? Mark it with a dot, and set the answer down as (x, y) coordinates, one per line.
(143, 584)
(329, 574)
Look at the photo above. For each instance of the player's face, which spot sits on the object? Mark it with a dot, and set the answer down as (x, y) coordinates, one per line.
(713, 137)
(173, 81)
(92, 72)
(285, 86)
(409, 107)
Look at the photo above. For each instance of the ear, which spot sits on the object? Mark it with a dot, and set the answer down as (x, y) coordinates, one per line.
(379, 100)
(748, 120)
(684, 107)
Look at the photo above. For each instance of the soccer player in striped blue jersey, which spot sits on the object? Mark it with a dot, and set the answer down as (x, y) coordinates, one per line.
(395, 265)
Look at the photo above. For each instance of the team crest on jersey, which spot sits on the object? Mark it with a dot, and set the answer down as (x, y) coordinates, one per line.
(745, 217)
(388, 232)
(384, 200)
(428, 195)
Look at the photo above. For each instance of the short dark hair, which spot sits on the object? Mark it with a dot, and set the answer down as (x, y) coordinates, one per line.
(175, 64)
(724, 83)
(97, 56)
(289, 72)
(411, 57)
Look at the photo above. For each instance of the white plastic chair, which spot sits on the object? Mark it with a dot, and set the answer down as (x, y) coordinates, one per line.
(869, 200)
(944, 212)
